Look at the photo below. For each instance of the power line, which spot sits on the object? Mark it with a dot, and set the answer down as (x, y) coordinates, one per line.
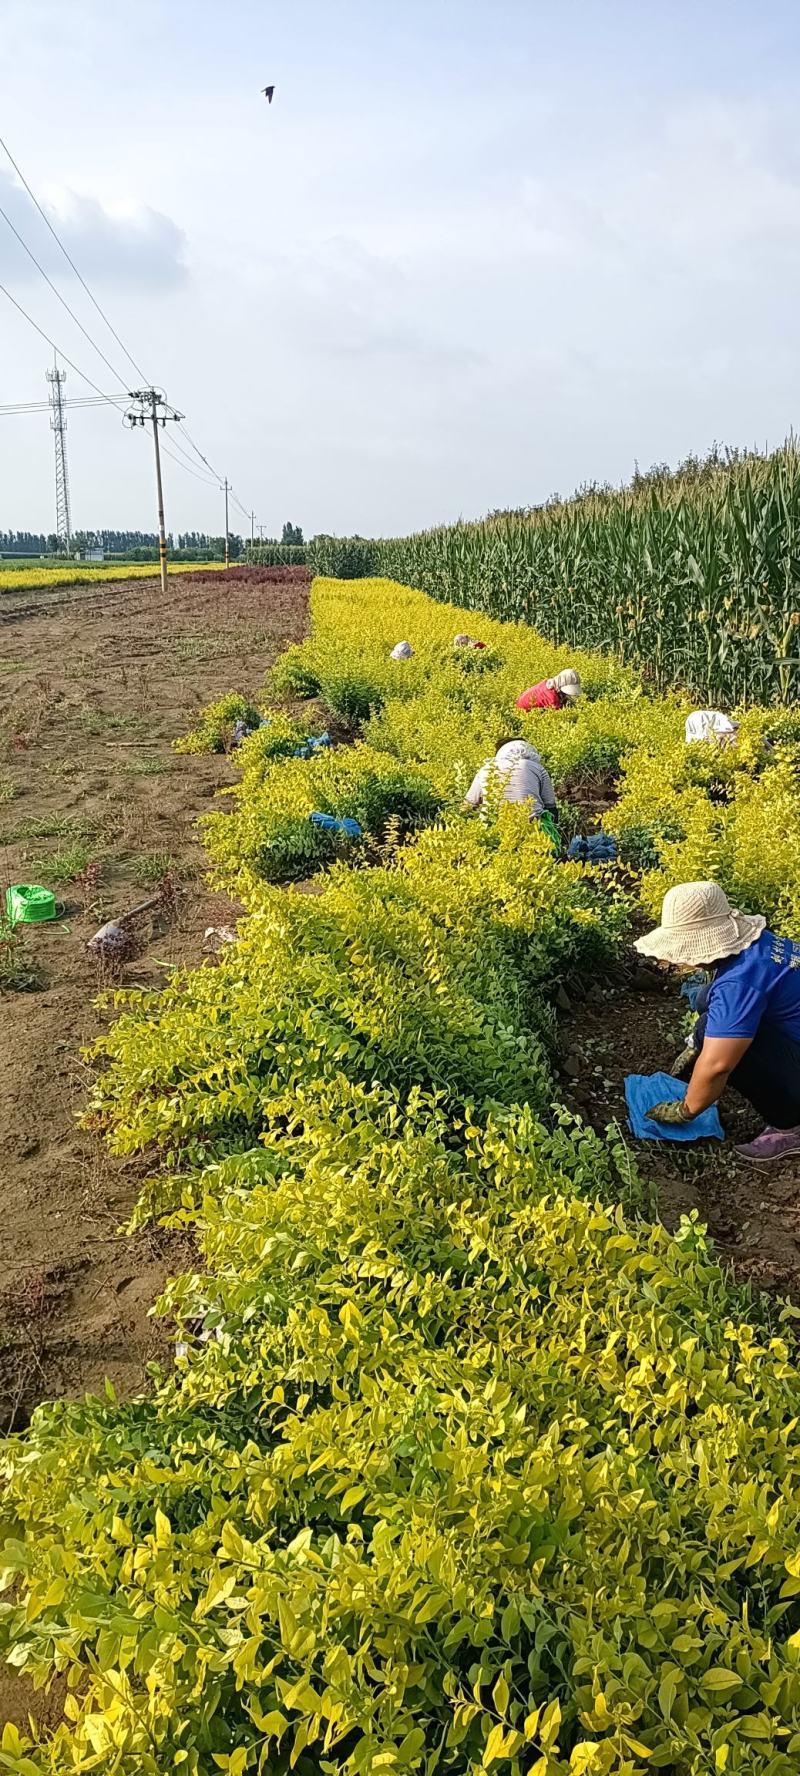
(104, 317)
(70, 261)
(112, 401)
(204, 459)
(184, 453)
(11, 408)
(187, 466)
(62, 299)
(198, 452)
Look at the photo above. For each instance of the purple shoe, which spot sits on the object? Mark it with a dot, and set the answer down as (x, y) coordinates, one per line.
(773, 1144)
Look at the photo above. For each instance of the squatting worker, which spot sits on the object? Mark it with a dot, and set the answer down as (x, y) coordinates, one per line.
(710, 724)
(749, 1035)
(402, 651)
(552, 693)
(521, 777)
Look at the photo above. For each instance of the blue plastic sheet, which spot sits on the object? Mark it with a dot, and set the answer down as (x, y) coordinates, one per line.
(644, 1090)
(597, 848)
(310, 745)
(692, 987)
(331, 823)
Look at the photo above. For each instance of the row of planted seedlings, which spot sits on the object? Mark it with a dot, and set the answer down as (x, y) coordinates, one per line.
(466, 1465)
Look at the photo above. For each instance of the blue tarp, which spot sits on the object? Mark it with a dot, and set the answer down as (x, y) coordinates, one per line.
(309, 746)
(692, 987)
(331, 824)
(598, 848)
(644, 1090)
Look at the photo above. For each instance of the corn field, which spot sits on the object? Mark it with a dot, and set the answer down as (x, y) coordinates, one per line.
(276, 554)
(696, 586)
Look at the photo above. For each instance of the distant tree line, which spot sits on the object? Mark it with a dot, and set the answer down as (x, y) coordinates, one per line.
(138, 545)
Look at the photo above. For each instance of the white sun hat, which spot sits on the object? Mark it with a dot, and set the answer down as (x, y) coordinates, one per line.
(567, 682)
(699, 925)
(402, 651)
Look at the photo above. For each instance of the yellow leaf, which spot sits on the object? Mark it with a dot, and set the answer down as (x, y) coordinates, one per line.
(500, 1695)
(163, 1528)
(494, 1745)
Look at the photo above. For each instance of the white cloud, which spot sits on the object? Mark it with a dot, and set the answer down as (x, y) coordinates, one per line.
(124, 246)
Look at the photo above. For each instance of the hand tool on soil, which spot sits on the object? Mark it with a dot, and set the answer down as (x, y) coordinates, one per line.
(114, 942)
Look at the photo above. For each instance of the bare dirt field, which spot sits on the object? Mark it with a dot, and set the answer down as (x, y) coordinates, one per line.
(95, 683)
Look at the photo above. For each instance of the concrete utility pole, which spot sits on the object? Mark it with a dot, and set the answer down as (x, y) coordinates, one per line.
(225, 487)
(151, 407)
(252, 528)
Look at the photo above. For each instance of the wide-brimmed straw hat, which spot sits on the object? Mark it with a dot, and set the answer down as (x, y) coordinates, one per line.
(699, 925)
(567, 682)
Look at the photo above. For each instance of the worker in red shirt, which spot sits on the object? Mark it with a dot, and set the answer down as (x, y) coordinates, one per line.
(552, 693)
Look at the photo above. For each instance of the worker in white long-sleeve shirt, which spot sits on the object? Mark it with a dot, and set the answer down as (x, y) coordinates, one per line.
(710, 724)
(521, 777)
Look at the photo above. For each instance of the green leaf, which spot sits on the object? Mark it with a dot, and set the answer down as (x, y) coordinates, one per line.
(719, 1681)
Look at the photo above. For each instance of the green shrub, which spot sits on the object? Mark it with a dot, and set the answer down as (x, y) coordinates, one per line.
(269, 836)
(292, 676)
(214, 730)
(462, 1465)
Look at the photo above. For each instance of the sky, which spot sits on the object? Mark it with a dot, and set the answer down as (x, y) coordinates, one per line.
(472, 255)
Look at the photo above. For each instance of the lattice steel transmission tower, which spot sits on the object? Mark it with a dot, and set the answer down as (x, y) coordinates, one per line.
(58, 424)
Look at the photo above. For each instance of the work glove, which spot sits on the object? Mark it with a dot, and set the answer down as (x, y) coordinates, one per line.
(686, 1058)
(673, 1111)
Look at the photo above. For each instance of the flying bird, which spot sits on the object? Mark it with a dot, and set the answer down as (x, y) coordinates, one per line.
(268, 92)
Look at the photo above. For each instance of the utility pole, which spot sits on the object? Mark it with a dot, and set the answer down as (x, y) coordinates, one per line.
(226, 485)
(252, 529)
(150, 406)
(58, 425)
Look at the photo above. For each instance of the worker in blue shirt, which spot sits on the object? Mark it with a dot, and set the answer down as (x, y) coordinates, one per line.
(749, 1034)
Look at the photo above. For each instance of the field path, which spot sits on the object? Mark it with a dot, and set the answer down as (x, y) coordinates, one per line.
(95, 683)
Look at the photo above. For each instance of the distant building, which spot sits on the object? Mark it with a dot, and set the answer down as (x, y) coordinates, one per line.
(95, 555)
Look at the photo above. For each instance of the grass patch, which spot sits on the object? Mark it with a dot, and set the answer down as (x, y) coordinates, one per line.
(94, 721)
(17, 973)
(204, 647)
(63, 865)
(48, 826)
(8, 790)
(151, 868)
(148, 767)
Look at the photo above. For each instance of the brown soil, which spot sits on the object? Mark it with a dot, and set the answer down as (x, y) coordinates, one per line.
(752, 1212)
(95, 683)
